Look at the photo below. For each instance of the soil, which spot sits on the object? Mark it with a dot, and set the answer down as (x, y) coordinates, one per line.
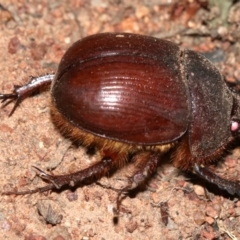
(173, 205)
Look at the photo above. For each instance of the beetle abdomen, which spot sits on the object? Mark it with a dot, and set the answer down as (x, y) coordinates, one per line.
(126, 95)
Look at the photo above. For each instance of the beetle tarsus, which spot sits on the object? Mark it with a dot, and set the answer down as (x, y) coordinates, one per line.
(49, 187)
(230, 186)
(19, 93)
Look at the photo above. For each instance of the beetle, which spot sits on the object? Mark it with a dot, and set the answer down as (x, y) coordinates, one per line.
(134, 98)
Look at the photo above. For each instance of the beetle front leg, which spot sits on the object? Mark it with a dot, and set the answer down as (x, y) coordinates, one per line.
(19, 93)
(205, 173)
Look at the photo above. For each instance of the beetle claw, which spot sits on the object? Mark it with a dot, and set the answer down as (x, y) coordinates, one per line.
(10, 96)
(48, 177)
(41, 173)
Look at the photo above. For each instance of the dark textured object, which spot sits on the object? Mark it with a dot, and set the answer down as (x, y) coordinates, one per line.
(164, 212)
(134, 98)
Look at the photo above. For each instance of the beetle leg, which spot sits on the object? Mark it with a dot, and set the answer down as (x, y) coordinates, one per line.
(58, 181)
(147, 163)
(205, 173)
(19, 93)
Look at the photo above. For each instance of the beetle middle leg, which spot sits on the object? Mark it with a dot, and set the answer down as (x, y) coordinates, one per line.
(146, 163)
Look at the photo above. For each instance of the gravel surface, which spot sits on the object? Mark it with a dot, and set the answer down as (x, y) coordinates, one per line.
(34, 35)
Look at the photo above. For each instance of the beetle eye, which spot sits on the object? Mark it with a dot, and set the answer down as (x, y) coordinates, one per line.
(234, 126)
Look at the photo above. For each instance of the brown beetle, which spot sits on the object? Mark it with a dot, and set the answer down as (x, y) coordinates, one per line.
(134, 98)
